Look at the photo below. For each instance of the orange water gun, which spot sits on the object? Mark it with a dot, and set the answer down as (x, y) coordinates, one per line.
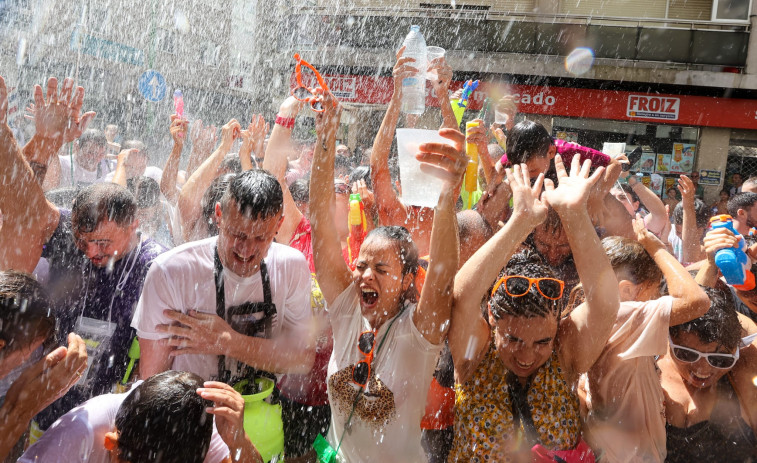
(358, 228)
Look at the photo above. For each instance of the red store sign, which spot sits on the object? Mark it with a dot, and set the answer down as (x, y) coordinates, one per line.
(576, 102)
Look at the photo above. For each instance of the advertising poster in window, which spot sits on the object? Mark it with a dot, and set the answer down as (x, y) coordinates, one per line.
(663, 163)
(670, 182)
(571, 137)
(645, 163)
(683, 158)
(656, 183)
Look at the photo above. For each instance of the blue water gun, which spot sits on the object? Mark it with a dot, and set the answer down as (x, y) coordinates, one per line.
(733, 262)
(468, 89)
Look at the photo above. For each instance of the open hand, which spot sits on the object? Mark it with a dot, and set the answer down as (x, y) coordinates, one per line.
(687, 189)
(445, 161)
(203, 137)
(228, 409)
(58, 117)
(254, 136)
(507, 105)
(572, 192)
(526, 203)
(196, 333)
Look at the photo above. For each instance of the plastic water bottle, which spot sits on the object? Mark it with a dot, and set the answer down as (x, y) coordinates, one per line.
(414, 88)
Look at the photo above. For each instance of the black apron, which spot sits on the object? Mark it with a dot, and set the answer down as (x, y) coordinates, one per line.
(251, 319)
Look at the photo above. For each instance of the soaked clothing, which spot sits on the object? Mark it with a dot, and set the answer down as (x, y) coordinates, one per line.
(724, 437)
(484, 423)
(302, 240)
(87, 300)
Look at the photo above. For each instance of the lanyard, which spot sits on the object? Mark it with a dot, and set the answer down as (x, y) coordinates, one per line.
(224, 375)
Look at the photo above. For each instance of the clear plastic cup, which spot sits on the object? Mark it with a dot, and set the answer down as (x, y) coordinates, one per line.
(418, 188)
(431, 54)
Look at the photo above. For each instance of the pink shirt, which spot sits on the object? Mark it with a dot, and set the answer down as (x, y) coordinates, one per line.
(625, 420)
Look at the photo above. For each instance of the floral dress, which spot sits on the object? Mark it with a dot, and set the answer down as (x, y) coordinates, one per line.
(484, 423)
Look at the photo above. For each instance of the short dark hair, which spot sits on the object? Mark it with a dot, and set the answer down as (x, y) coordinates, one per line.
(25, 314)
(527, 140)
(213, 195)
(702, 213)
(145, 190)
(470, 223)
(300, 191)
(741, 201)
(164, 419)
(628, 191)
(256, 193)
(93, 136)
(630, 260)
(231, 163)
(361, 173)
(100, 202)
(529, 264)
(719, 325)
(405, 246)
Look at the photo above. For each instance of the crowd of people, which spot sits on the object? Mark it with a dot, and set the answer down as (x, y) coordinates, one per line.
(568, 315)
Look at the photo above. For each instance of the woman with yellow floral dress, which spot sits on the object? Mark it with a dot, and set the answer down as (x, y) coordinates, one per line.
(514, 371)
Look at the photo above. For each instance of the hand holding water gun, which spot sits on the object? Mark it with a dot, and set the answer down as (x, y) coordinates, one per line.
(733, 262)
(358, 228)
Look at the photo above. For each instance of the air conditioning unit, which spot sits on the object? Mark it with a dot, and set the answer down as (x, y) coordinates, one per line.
(732, 11)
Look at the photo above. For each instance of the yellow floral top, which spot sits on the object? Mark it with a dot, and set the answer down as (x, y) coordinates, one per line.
(484, 427)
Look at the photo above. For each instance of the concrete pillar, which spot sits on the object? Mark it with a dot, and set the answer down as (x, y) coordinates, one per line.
(713, 155)
(751, 54)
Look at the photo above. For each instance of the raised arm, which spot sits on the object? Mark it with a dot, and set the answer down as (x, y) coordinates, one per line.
(28, 218)
(441, 88)
(692, 248)
(657, 217)
(469, 331)
(390, 209)
(191, 194)
(276, 160)
(178, 131)
(447, 162)
(689, 300)
(585, 333)
(333, 274)
(252, 138)
(119, 175)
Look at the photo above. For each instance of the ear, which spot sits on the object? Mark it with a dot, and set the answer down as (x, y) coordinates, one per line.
(627, 290)
(281, 221)
(111, 441)
(552, 152)
(408, 280)
(219, 213)
(2, 344)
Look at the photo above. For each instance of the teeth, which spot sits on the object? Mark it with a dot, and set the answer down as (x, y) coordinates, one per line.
(524, 365)
(699, 377)
(369, 291)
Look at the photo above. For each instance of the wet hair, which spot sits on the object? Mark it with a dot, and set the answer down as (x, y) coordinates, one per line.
(145, 190)
(630, 261)
(256, 194)
(213, 195)
(527, 140)
(719, 325)
(741, 201)
(300, 191)
(529, 264)
(62, 197)
(100, 202)
(403, 242)
(701, 211)
(361, 173)
(628, 191)
(93, 136)
(25, 313)
(552, 223)
(137, 145)
(164, 419)
(470, 223)
(231, 163)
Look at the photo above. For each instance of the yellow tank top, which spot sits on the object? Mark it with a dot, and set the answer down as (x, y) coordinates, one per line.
(484, 425)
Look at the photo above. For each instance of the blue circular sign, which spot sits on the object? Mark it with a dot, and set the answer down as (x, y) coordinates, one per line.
(152, 86)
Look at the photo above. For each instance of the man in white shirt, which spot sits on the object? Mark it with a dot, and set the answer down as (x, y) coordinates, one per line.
(220, 306)
(89, 163)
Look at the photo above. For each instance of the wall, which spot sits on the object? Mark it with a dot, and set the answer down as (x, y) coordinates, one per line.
(713, 155)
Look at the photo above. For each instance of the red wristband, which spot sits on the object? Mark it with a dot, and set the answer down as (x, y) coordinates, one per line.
(286, 122)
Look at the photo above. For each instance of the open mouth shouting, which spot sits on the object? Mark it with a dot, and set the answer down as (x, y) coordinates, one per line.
(368, 297)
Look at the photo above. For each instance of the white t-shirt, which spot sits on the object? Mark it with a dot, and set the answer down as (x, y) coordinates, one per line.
(626, 420)
(82, 177)
(386, 423)
(676, 245)
(79, 435)
(182, 279)
(153, 172)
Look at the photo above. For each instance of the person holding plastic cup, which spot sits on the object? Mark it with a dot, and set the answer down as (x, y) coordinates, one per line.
(386, 338)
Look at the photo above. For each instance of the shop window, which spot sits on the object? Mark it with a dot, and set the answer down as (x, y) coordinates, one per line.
(741, 160)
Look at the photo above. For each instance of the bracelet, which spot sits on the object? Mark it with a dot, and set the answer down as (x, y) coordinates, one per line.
(286, 122)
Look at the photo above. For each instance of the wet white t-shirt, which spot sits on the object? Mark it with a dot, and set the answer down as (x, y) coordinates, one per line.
(626, 421)
(182, 279)
(385, 425)
(82, 177)
(79, 435)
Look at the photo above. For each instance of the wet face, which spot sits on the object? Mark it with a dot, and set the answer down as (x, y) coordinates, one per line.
(107, 241)
(136, 164)
(244, 242)
(626, 200)
(91, 154)
(378, 277)
(699, 374)
(553, 246)
(538, 165)
(524, 344)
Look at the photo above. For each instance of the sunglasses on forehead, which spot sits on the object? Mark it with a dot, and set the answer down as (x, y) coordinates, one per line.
(518, 286)
(715, 359)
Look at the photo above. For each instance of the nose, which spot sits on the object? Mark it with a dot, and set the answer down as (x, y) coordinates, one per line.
(244, 248)
(367, 274)
(92, 250)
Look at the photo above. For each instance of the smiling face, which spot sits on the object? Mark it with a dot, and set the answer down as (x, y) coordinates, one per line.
(244, 242)
(378, 276)
(524, 343)
(699, 374)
